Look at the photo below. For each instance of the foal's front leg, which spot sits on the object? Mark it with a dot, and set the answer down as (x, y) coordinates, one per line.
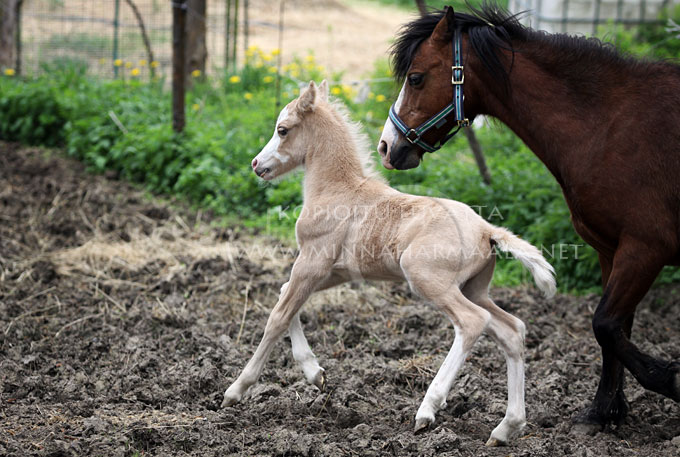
(304, 278)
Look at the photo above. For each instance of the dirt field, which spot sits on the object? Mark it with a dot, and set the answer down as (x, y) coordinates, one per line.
(121, 325)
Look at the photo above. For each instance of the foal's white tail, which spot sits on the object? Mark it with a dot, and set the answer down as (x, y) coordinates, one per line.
(530, 257)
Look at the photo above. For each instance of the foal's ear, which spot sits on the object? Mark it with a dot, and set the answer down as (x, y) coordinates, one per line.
(444, 29)
(307, 100)
(323, 90)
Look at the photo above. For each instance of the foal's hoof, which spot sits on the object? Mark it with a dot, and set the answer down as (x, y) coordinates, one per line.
(422, 425)
(230, 399)
(320, 380)
(495, 442)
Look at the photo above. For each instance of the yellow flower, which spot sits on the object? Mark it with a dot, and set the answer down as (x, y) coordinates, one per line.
(268, 79)
(309, 66)
(135, 72)
(154, 64)
(258, 65)
(118, 62)
(380, 98)
(195, 107)
(310, 58)
(285, 95)
(271, 69)
(250, 52)
(295, 73)
(235, 79)
(371, 95)
(346, 89)
(248, 96)
(321, 68)
(196, 73)
(142, 63)
(267, 57)
(128, 64)
(276, 51)
(336, 91)
(10, 71)
(296, 91)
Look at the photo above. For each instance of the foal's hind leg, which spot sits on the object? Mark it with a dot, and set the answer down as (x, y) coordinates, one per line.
(508, 332)
(469, 321)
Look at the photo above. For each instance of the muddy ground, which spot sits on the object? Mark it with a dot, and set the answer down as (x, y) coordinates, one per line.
(121, 325)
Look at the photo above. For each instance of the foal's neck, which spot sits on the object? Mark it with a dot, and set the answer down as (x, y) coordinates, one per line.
(332, 165)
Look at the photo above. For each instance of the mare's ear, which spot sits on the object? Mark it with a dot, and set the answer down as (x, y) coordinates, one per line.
(307, 100)
(323, 90)
(444, 29)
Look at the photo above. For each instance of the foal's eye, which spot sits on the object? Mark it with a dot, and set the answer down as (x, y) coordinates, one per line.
(415, 79)
(282, 131)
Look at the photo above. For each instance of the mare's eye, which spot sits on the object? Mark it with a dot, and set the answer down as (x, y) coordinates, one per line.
(415, 79)
(282, 131)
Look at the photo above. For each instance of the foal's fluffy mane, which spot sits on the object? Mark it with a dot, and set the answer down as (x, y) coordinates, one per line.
(359, 138)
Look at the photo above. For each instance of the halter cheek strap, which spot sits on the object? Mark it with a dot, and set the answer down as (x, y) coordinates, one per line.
(438, 120)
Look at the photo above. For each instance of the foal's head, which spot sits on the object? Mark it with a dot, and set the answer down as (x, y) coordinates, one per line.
(292, 137)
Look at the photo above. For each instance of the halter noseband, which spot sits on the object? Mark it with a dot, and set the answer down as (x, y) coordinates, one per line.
(439, 119)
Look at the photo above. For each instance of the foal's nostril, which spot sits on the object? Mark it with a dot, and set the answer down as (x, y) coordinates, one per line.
(382, 148)
(254, 163)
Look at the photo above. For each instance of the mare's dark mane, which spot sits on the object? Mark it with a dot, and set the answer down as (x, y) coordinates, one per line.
(491, 28)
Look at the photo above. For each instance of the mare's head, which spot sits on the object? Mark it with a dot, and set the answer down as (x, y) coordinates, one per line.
(422, 57)
(292, 137)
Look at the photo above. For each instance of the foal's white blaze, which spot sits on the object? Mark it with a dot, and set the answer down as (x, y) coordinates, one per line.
(390, 133)
(269, 155)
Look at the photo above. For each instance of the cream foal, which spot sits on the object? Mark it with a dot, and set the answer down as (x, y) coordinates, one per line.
(355, 226)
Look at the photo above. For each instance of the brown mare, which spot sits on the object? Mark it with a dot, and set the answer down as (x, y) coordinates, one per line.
(607, 127)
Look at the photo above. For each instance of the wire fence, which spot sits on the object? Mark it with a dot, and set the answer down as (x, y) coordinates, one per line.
(105, 35)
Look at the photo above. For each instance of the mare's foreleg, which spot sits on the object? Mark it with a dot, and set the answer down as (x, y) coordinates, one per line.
(630, 278)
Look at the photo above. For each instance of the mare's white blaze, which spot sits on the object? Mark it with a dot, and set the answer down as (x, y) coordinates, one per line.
(271, 150)
(390, 132)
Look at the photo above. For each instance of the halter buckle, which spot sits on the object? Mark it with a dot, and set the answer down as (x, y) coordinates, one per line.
(464, 122)
(408, 136)
(454, 81)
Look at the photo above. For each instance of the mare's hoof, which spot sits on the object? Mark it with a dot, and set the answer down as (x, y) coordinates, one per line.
(585, 429)
(422, 425)
(675, 368)
(495, 442)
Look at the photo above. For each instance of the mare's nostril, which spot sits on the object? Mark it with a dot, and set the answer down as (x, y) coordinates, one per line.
(382, 148)
(254, 163)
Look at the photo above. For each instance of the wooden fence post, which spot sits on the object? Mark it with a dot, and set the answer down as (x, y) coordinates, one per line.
(179, 15)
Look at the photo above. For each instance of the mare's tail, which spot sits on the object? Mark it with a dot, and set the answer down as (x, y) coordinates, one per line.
(530, 257)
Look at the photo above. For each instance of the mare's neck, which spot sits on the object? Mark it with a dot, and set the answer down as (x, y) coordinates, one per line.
(542, 108)
(332, 165)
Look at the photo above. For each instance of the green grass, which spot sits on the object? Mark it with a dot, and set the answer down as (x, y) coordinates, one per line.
(228, 122)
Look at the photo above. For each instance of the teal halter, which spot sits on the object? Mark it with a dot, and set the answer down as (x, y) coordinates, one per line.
(439, 119)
